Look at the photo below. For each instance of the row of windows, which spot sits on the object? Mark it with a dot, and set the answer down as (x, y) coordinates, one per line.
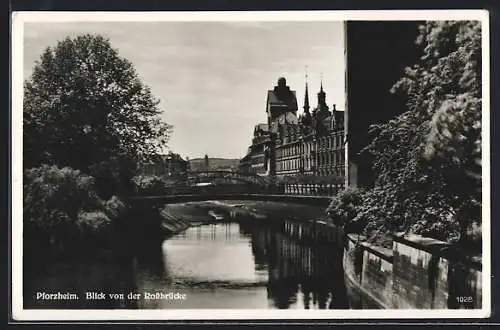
(295, 149)
(287, 165)
(336, 156)
(288, 151)
(329, 160)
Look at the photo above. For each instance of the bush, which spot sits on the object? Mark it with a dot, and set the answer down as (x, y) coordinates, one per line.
(93, 221)
(49, 190)
(379, 216)
(149, 185)
(62, 208)
(345, 206)
(114, 207)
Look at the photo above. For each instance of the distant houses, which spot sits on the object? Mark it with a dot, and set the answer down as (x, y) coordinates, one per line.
(213, 164)
(170, 167)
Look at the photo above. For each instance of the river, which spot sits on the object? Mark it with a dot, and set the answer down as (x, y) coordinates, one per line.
(235, 264)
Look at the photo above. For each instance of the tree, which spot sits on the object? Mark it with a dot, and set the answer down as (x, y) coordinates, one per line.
(427, 160)
(85, 107)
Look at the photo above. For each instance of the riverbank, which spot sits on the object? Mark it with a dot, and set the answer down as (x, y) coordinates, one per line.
(179, 217)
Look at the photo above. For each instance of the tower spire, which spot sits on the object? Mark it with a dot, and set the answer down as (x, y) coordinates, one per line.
(306, 96)
(322, 97)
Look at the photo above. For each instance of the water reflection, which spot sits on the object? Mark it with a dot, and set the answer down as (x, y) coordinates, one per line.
(301, 275)
(246, 264)
(233, 265)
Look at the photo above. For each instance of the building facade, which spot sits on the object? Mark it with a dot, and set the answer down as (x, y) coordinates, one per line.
(291, 145)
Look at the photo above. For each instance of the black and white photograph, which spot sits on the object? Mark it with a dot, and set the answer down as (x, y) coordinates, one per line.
(250, 165)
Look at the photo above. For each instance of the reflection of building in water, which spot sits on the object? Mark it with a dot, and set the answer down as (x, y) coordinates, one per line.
(213, 232)
(300, 273)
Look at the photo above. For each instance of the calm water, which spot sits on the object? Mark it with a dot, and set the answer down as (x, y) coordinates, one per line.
(224, 265)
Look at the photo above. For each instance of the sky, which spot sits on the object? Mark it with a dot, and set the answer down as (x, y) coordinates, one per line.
(212, 77)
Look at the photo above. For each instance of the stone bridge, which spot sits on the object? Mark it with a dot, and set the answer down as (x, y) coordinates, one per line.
(322, 201)
(232, 185)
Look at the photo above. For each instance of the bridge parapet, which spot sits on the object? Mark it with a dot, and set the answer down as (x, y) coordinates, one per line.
(321, 201)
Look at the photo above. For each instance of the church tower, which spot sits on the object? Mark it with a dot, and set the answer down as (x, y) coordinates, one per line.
(322, 110)
(306, 117)
(281, 105)
(322, 106)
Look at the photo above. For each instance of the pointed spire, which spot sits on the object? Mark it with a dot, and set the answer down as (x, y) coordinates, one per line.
(306, 97)
(321, 93)
(322, 98)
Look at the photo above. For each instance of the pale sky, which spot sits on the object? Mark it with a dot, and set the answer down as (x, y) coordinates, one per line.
(212, 77)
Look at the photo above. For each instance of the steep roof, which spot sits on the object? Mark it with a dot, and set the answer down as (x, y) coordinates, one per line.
(288, 99)
(339, 119)
(339, 116)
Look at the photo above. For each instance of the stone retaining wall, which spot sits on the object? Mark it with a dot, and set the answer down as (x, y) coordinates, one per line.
(418, 273)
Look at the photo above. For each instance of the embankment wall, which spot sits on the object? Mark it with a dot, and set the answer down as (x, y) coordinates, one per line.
(417, 273)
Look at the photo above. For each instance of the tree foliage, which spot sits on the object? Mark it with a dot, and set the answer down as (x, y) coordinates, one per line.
(85, 107)
(345, 206)
(427, 160)
(61, 206)
(149, 185)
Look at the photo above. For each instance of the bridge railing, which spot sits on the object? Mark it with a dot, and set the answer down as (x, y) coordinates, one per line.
(276, 189)
(313, 189)
(225, 189)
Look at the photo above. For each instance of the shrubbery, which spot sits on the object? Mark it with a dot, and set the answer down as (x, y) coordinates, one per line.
(364, 211)
(345, 206)
(62, 208)
(149, 185)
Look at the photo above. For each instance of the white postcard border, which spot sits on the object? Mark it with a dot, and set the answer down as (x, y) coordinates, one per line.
(18, 20)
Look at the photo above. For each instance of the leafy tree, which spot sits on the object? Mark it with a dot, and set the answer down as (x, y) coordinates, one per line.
(427, 160)
(85, 107)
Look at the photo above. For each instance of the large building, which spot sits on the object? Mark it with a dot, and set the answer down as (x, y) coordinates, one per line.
(309, 144)
(377, 53)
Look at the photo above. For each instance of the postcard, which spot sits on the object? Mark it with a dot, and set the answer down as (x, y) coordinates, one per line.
(295, 165)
